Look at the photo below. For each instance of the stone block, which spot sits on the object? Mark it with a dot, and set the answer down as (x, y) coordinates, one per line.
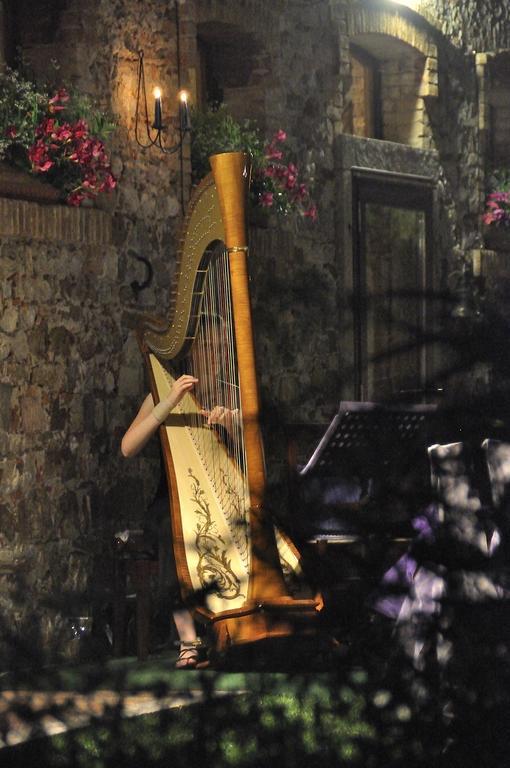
(9, 319)
(38, 340)
(34, 415)
(130, 381)
(11, 474)
(60, 341)
(6, 391)
(19, 347)
(5, 349)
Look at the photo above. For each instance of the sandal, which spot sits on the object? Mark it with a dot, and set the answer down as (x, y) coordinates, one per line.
(188, 655)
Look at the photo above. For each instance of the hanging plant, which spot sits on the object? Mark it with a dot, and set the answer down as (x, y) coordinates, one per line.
(58, 137)
(277, 185)
(497, 201)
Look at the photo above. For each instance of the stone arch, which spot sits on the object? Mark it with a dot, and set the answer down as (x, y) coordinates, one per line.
(393, 72)
(392, 24)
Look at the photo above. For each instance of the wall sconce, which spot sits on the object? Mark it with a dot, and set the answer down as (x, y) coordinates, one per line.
(155, 131)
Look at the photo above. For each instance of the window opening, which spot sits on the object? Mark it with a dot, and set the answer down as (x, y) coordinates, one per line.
(392, 282)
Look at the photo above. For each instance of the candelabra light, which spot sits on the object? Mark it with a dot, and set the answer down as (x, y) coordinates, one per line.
(154, 133)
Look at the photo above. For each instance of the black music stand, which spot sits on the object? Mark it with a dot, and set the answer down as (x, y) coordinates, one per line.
(371, 457)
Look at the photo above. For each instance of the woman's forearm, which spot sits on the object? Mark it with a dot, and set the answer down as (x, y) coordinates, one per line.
(138, 435)
(150, 417)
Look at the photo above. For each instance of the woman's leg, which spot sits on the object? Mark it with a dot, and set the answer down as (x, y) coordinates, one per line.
(169, 585)
(189, 643)
(185, 625)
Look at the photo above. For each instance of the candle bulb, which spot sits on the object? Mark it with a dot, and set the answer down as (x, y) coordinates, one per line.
(158, 120)
(184, 112)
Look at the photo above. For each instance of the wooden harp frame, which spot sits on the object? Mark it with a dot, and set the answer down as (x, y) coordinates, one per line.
(217, 214)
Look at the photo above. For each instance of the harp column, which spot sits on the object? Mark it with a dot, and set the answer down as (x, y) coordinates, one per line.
(266, 578)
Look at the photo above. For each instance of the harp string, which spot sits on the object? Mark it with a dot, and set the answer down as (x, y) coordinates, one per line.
(212, 360)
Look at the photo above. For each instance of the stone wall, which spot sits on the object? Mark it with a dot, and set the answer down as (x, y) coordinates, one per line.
(470, 25)
(62, 407)
(72, 375)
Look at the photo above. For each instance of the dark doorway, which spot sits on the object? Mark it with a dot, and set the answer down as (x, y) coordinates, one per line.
(392, 283)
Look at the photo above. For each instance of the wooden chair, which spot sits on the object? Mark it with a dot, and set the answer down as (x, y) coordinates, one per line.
(135, 566)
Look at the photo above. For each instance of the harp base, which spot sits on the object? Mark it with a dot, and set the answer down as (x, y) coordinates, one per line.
(263, 632)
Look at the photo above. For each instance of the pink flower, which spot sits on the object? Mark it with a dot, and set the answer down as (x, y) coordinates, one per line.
(279, 184)
(62, 132)
(291, 173)
(11, 132)
(500, 197)
(39, 158)
(55, 103)
(278, 172)
(97, 149)
(81, 129)
(71, 153)
(60, 95)
(109, 183)
(301, 192)
(46, 127)
(272, 153)
(311, 212)
(89, 182)
(75, 198)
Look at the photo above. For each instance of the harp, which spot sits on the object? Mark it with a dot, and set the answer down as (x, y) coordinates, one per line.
(226, 547)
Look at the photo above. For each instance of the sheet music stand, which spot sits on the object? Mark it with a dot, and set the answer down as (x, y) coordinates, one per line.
(378, 449)
(360, 430)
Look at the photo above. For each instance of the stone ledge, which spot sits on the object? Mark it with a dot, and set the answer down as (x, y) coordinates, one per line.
(55, 223)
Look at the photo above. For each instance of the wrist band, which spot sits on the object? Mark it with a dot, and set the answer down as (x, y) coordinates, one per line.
(160, 412)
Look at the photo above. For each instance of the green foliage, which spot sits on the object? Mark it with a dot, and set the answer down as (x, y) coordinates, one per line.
(216, 131)
(22, 106)
(499, 180)
(274, 182)
(80, 106)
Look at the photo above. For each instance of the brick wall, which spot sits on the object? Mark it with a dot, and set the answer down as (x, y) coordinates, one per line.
(405, 118)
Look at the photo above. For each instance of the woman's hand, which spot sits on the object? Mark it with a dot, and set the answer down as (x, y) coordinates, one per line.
(181, 386)
(224, 416)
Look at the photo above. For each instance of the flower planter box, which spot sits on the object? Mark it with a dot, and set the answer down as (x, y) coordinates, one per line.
(17, 184)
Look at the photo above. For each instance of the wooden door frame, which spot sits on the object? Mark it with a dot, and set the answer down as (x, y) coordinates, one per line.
(408, 191)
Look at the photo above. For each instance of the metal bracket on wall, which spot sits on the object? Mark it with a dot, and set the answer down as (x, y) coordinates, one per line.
(135, 285)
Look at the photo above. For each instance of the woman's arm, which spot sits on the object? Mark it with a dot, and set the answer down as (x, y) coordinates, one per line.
(150, 417)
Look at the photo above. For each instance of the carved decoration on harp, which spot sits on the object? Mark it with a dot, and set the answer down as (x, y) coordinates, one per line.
(225, 546)
(214, 568)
